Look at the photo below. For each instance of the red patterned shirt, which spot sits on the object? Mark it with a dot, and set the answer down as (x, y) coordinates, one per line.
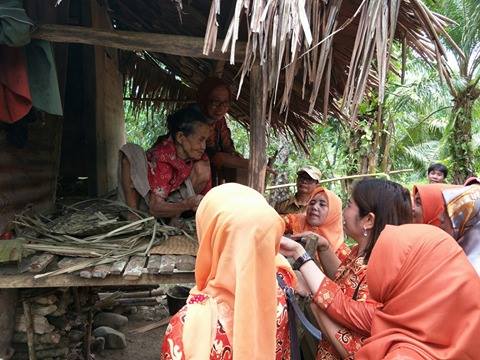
(220, 139)
(349, 285)
(166, 171)
(172, 347)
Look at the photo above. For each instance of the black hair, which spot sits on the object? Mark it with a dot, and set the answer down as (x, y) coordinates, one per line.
(389, 201)
(438, 167)
(185, 120)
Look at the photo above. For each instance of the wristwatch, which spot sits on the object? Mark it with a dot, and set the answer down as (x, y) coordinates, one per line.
(302, 259)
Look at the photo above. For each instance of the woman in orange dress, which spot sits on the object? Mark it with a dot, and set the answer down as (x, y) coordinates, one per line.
(373, 204)
(430, 295)
(236, 309)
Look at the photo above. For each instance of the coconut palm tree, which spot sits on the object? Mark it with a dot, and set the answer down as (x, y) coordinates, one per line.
(464, 87)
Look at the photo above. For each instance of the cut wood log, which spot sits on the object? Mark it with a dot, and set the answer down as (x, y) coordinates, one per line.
(154, 263)
(101, 271)
(46, 300)
(36, 263)
(167, 264)
(50, 338)
(43, 310)
(67, 262)
(86, 273)
(185, 263)
(134, 268)
(118, 266)
(40, 324)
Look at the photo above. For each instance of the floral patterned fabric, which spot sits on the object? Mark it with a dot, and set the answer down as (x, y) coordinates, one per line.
(350, 282)
(172, 347)
(166, 171)
(220, 139)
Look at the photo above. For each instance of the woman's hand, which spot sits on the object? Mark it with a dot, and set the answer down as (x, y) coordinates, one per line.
(291, 248)
(193, 201)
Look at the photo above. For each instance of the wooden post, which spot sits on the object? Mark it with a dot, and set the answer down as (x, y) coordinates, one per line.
(109, 116)
(27, 310)
(258, 126)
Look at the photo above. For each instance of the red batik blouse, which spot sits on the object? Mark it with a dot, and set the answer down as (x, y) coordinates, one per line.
(166, 171)
(335, 298)
(172, 347)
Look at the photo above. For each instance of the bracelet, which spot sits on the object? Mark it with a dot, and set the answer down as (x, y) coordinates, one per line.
(305, 257)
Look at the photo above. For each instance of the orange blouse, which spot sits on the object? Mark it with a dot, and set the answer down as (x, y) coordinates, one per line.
(335, 298)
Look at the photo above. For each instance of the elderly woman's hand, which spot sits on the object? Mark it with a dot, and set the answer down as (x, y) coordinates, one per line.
(291, 248)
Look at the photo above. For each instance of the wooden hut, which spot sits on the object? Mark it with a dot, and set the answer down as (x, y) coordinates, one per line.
(291, 64)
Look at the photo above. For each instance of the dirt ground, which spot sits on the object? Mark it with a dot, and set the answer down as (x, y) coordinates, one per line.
(145, 346)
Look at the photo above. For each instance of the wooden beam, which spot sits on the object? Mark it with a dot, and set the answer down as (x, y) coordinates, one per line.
(131, 40)
(258, 127)
(70, 280)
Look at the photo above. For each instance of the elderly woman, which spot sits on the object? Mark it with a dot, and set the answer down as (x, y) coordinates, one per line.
(374, 203)
(430, 295)
(236, 309)
(456, 210)
(174, 174)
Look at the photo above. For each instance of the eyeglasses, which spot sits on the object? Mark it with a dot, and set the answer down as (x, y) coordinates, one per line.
(217, 103)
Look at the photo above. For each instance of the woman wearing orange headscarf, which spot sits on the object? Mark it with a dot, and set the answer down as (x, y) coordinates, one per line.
(428, 203)
(236, 308)
(338, 295)
(430, 295)
(456, 210)
(323, 217)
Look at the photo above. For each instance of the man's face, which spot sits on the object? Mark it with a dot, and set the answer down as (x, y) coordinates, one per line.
(435, 177)
(305, 184)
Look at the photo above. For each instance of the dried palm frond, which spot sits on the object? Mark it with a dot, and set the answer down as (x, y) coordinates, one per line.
(339, 47)
(149, 87)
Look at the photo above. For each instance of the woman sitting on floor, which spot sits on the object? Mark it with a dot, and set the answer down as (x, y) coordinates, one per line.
(236, 310)
(456, 210)
(373, 204)
(172, 176)
(430, 295)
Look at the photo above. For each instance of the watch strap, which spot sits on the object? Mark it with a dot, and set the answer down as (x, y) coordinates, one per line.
(302, 259)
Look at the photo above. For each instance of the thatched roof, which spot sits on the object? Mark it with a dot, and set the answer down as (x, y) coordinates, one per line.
(319, 57)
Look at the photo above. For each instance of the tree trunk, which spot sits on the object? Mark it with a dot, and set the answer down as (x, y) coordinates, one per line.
(460, 142)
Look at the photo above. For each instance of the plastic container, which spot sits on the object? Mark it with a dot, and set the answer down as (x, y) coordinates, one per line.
(177, 298)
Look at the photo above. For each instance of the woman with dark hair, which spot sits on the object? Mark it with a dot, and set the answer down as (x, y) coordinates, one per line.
(174, 174)
(214, 97)
(374, 204)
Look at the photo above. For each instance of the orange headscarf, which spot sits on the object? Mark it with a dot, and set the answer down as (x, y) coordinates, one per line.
(239, 236)
(433, 204)
(430, 295)
(332, 227)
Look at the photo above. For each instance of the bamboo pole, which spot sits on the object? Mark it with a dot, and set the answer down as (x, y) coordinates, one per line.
(342, 178)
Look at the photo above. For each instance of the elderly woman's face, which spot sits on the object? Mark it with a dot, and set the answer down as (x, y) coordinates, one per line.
(194, 145)
(317, 209)
(218, 103)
